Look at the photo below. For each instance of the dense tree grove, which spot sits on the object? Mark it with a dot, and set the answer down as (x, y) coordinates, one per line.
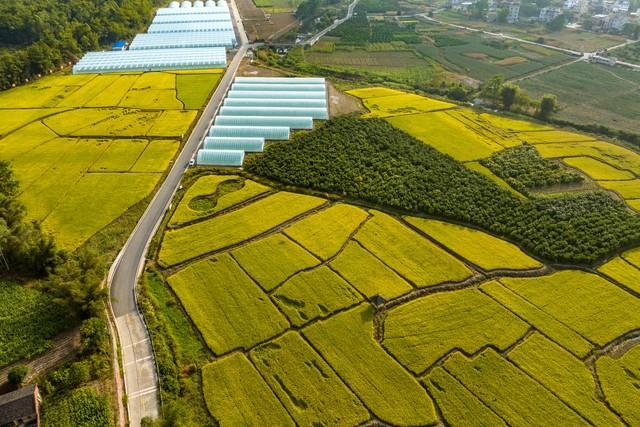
(37, 36)
(373, 161)
(524, 169)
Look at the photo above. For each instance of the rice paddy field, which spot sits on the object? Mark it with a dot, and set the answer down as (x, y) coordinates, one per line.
(396, 319)
(469, 136)
(87, 148)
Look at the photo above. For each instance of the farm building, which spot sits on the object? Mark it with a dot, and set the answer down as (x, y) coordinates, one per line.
(21, 407)
(148, 60)
(265, 108)
(182, 36)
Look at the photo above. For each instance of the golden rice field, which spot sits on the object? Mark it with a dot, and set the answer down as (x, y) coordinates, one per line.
(468, 135)
(87, 148)
(298, 339)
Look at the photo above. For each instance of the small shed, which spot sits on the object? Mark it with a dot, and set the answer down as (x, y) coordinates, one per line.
(21, 407)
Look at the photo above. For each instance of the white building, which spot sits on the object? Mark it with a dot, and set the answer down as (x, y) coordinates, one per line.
(548, 14)
(514, 12)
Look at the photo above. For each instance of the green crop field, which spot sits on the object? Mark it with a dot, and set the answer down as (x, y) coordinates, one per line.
(236, 394)
(62, 133)
(598, 170)
(619, 380)
(633, 256)
(232, 317)
(305, 384)
(396, 105)
(623, 272)
(324, 233)
(312, 294)
(422, 331)
(566, 376)
(29, 321)
(484, 250)
(612, 154)
(584, 302)
(368, 274)
(346, 342)
(234, 227)
(211, 194)
(590, 93)
(272, 260)
(513, 395)
(409, 254)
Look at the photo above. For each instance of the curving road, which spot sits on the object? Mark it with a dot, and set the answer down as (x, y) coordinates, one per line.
(140, 378)
(313, 39)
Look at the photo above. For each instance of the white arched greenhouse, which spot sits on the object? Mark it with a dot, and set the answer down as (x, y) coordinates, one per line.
(316, 113)
(276, 95)
(290, 122)
(249, 145)
(191, 27)
(266, 102)
(281, 80)
(257, 87)
(266, 132)
(220, 157)
(183, 40)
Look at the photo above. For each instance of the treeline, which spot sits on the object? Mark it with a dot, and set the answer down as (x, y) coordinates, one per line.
(373, 161)
(524, 169)
(38, 36)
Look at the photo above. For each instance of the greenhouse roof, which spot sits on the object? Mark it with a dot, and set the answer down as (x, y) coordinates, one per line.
(220, 157)
(279, 87)
(190, 27)
(254, 145)
(183, 40)
(276, 95)
(144, 60)
(193, 11)
(281, 80)
(316, 113)
(175, 19)
(268, 102)
(291, 122)
(266, 132)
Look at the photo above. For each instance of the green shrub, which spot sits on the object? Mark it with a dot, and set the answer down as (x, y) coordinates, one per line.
(17, 375)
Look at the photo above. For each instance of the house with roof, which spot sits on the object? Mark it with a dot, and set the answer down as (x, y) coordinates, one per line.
(21, 408)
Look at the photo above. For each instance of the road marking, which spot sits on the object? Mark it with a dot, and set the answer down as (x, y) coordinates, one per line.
(136, 343)
(133, 362)
(142, 392)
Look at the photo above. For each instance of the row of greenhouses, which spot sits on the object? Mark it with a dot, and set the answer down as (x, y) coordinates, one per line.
(260, 109)
(182, 36)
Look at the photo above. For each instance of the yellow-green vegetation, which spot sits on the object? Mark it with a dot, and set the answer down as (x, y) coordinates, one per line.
(476, 166)
(314, 294)
(633, 204)
(588, 304)
(615, 155)
(236, 394)
(458, 405)
(308, 387)
(373, 92)
(566, 376)
(422, 331)
(326, 232)
(627, 189)
(398, 105)
(412, 256)
(272, 260)
(633, 256)
(547, 324)
(550, 136)
(620, 382)
(228, 317)
(368, 274)
(213, 193)
(447, 134)
(232, 228)
(509, 392)
(482, 249)
(346, 342)
(596, 169)
(623, 272)
(194, 89)
(56, 173)
(513, 125)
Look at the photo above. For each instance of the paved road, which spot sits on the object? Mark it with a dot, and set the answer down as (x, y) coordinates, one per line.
(311, 41)
(141, 382)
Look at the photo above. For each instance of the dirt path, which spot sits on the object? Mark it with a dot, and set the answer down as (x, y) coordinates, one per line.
(64, 348)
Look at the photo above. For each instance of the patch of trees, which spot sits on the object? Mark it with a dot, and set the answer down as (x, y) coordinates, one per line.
(524, 169)
(512, 98)
(38, 36)
(372, 161)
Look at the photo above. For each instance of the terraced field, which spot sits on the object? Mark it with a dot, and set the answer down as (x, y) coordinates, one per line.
(322, 312)
(87, 148)
(470, 136)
